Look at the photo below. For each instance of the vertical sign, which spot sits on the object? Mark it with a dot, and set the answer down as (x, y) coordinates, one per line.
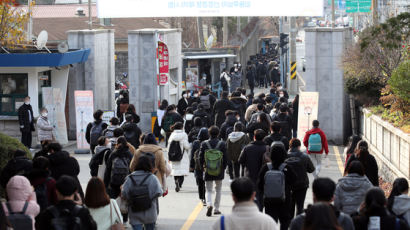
(308, 110)
(163, 60)
(107, 115)
(84, 108)
(53, 101)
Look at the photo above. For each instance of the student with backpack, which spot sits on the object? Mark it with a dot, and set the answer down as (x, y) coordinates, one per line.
(141, 190)
(275, 179)
(195, 164)
(178, 154)
(202, 113)
(285, 121)
(193, 133)
(276, 135)
(109, 131)
(315, 142)
(220, 107)
(67, 213)
(302, 165)
(131, 131)
(118, 165)
(236, 141)
(170, 118)
(398, 202)
(102, 151)
(44, 185)
(214, 160)
(228, 126)
(95, 130)
(21, 207)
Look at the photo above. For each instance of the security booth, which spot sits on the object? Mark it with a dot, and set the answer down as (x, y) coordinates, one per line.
(204, 64)
(41, 76)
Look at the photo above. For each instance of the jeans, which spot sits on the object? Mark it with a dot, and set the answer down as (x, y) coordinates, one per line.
(26, 138)
(317, 161)
(218, 190)
(146, 226)
(298, 200)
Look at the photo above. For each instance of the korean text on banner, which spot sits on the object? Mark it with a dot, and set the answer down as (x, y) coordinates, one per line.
(84, 109)
(163, 60)
(308, 111)
(53, 101)
(107, 115)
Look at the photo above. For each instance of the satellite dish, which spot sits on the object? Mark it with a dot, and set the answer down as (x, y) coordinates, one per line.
(42, 40)
(62, 47)
(210, 41)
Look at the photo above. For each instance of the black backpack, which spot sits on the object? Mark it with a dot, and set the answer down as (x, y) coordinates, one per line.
(95, 132)
(41, 194)
(197, 160)
(296, 164)
(119, 171)
(175, 152)
(19, 220)
(139, 199)
(64, 219)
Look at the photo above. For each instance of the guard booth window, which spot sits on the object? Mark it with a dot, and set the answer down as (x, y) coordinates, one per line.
(13, 90)
(44, 80)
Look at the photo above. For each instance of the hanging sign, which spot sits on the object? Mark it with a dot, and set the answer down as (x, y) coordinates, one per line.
(163, 61)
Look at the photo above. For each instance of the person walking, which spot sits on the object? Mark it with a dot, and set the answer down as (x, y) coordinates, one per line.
(276, 136)
(202, 113)
(150, 145)
(103, 210)
(102, 152)
(295, 115)
(143, 212)
(21, 196)
(109, 131)
(220, 107)
(193, 133)
(225, 80)
(399, 200)
(95, 129)
(320, 216)
(262, 122)
(236, 141)
(20, 164)
(133, 112)
(131, 131)
(160, 114)
(227, 127)
(195, 164)
(351, 189)
(188, 119)
(178, 144)
(250, 76)
(183, 103)
(44, 128)
(245, 214)
(236, 80)
(303, 166)
(170, 118)
(349, 150)
(368, 161)
(214, 160)
(285, 121)
(26, 121)
(315, 142)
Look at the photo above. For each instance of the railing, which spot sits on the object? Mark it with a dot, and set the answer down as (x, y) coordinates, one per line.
(388, 144)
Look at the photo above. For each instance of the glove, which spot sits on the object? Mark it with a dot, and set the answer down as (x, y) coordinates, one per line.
(165, 193)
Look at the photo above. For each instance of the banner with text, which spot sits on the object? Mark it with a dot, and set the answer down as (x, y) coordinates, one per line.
(53, 101)
(163, 60)
(201, 8)
(84, 109)
(308, 111)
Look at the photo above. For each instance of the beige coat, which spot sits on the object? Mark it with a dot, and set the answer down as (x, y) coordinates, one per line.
(249, 111)
(159, 160)
(245, 216)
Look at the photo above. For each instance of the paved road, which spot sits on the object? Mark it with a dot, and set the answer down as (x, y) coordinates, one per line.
(184, 211)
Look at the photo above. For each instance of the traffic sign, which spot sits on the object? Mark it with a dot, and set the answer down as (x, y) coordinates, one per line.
(358, 6)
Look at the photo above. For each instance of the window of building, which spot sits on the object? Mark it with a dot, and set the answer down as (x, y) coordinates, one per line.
(13, 90)
(44, 80)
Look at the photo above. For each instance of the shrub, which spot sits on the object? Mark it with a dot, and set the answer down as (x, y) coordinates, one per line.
(400, 81)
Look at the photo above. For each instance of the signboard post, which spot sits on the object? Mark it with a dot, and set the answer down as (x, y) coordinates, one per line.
(163, 60)
(308, 111)
(84, 109)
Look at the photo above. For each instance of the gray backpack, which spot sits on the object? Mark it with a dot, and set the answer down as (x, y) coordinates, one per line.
(205, 101)
(20, 220)
(95, 133)
(275, 183)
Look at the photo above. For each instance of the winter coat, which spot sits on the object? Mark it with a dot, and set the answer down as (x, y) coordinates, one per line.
(236, 80)
(188, 122)
(344, 220)
(295, 115)
(387, 222)
(250, 75)
(26, 118)
(249, 111)
(255, 116)
(97, 159)
(102, 215)
(175, 117)
(88, 129)
(180, 168)
(132, 129)
(371, 170)
(87, 221)
(252, 159)
(159, 161)
(284, 118)
(154, 187)
(308, 166)
(350, 192)
(277, 137)
(202, 136)
(193, 134)
(204, 115)
(135, 117)
(121, 152)
(229, 122)
(220, 107)
(19, 165)
(38, 177)
(110, 129)
(325, 147)
(401, 206)
(235, 143)
(222, 147)
(239, 105)
(183, 103)
(250, 129)
(275, 76)
(19, 191)
(245, 216)
(44, 129)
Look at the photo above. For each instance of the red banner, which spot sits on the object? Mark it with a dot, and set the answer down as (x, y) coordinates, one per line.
(163, 59)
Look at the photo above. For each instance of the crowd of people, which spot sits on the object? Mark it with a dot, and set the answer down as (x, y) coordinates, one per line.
(250, 138)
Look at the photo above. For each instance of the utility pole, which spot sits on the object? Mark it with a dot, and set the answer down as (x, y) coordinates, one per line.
(292, 50)
(30, 21)
(200, 32)
(238, 25)
(333, 14)
(374, 12)
(225, 31)
(90, 16)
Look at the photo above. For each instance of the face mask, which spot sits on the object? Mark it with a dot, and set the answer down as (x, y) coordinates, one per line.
(204, 78)
(27, 102)
(44, 114)
(185, 96)
(196, 95)
(121, 96)
(281, 95)
(280, 87)
(109, 145)
(236, 70)
(238, 118)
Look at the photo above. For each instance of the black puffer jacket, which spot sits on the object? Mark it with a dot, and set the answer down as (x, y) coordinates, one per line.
(308, 166)
(277, 137)
(251, 158)
(204, 115)
(240, 106)
(220, 107)
(132, 133)
(19, 165)
(229, 122)
(123, 153)
(370, 168)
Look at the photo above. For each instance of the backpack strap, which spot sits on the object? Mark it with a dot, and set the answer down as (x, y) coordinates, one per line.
(208, 144)
(270, 167)
(218, 145)
(9, 208)
(142, 182)
(222, 222)
(25, 208)
(282, 166)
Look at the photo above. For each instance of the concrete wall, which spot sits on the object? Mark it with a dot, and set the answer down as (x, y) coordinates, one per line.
(324, 50)
(388, 144)
(97, 74)
(143, 70)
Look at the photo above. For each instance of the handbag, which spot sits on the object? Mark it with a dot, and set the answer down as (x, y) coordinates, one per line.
(117, 225)
(101, 168)
(122, 204)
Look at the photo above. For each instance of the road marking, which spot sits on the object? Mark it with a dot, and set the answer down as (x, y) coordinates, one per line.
(339, 160)
(191, 219)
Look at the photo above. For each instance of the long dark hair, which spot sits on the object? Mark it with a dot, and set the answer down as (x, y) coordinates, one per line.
(353, 141)
(320, 216)
(400, 185)
(164, 105)
(264, 121)
(121, 143)
(375, 202)
(96, 195)
(278, 156)
(362, 152)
